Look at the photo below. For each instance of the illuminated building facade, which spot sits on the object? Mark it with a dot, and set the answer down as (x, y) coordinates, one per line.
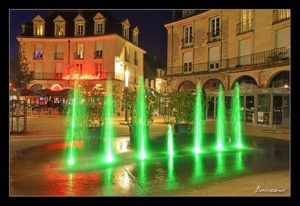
(224, 46)
(88, 45)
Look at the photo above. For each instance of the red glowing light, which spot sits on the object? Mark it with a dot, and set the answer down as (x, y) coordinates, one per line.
(85, 76)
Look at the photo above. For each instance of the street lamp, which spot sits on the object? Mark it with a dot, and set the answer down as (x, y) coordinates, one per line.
(126, 88)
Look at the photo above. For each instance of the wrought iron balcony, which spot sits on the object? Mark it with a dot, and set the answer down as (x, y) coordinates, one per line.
(280, 15)
(245, 26)
(187, 42)
(214, 36)
(261, 60)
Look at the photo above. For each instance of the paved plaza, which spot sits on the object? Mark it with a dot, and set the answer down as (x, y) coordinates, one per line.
(46, 132)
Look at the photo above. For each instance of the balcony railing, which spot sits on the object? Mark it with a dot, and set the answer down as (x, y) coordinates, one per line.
(245, 26)
(214, 36)
(187, 42)
(78, 56)
(280, 15)
(265, 59)
(47, 76)
(59, 56)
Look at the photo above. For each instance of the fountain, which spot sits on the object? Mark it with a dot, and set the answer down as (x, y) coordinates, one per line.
(76, 121)
(236, 117)
(198, 121)
(140, 123)
(221, 120)
(108, 129)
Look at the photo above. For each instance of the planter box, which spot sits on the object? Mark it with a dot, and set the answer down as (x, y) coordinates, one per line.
(182, 128)
(94, 134)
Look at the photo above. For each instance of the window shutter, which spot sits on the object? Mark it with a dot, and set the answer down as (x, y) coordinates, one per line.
(59, 48)
(214, 54)
(99, 45)
(59, 68)
(283, 38)
(245, 47)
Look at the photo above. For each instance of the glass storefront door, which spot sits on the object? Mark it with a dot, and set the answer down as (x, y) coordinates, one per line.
(281, 113)
(211, 108)
(249, 109)
(277, 109)
(263, 109)
(286, 111)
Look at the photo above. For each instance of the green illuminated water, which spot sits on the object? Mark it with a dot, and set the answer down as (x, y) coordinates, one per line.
(142, 176)
(221, 120)
(170, 140)
(198, 169)
(198, 121)
(220, 170)
(141, 130)
(107, 181)
(239, 165)
(76, 131)
(108, 135)
(236, 117)
(171, 182)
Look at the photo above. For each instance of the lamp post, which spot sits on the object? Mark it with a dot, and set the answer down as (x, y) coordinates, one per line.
(125, 91)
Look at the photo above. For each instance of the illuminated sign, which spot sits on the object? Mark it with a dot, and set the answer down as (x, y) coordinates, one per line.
(77, 76)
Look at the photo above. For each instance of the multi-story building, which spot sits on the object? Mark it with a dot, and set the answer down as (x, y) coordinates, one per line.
(249, 46)
(88, 45)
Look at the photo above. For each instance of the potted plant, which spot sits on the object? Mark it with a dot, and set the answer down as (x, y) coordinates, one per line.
(94, 99)
(182, 106)
(129, 98)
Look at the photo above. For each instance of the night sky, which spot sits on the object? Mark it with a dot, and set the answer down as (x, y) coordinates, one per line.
(152, 36)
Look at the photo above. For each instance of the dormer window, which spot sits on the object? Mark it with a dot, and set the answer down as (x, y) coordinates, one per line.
(125, 28)
(100, 28)
(79, 25)
(59, 30)
(38, 26)
(99, 24)
(126, 33)
(79, 30)
(60, 26)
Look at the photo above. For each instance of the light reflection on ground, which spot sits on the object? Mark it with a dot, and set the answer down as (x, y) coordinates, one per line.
(40, 170)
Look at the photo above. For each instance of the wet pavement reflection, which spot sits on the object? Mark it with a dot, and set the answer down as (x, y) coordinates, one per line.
(40, 171)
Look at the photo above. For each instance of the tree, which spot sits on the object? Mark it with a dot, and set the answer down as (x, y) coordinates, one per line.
(129, 98)
(20, 72)
(20, 76)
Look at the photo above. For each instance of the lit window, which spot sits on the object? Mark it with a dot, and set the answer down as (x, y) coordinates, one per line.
(60, 30)
(39, 30)
(98, 69)
(79, 51)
